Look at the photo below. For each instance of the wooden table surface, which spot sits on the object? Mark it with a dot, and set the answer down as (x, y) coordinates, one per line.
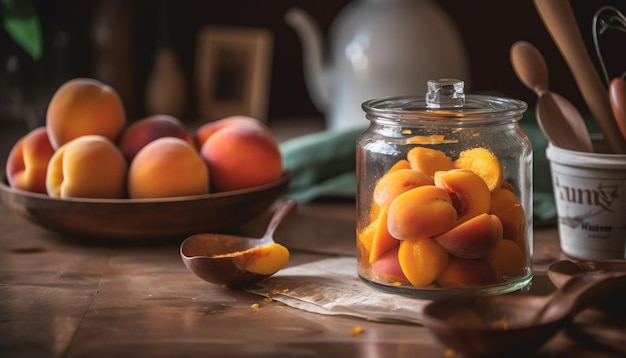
(59, 298)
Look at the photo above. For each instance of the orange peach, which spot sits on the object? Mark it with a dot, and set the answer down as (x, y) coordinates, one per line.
(421, 212)
(467, 273)
(468, 192)
(422, 260)
(506, 206)
(388, 267)
(89, 166)
(474, 238)
(508, 259)
(27, 162)
(167, 167)
(241, 156)
(206, 130)
(397, 182)
(147, 129)
(484, 163)
(84, 106)
(429, 161)
(382, 241)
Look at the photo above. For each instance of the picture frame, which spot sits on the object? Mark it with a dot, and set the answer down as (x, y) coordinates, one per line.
(233, 72)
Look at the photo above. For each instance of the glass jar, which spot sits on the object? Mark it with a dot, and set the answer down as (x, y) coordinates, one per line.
(444, 194)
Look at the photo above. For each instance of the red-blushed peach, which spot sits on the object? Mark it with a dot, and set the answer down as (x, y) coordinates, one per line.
(422, 260)
(167, 167)
(469, 192)
(388, 267)
(382, 241)
(421, 212)
(467, 273)
(394, 183)
(474, 238)
(147, 129)
(84, 106)
(508, 259)
(241, 156)
(27, 162)
(89, 166)
(206, 130)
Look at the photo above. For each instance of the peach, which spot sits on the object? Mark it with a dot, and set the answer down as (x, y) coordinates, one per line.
(84, 106)
(147, 129)
(467, 273)
(167, 167)
(506, 206)
(382, 241)
(241, 156)
(484, 163)
(468, 192)
(422, 260)
(206, 130)
(89, 166)
(421, 212)
(365, 237)
(508, 259)
(27, 162)
(388, 267)
(429, 161)
(474, 238)
(262, 260)
(397, 182)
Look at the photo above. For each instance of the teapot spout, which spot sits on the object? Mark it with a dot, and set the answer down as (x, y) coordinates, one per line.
(315, 75)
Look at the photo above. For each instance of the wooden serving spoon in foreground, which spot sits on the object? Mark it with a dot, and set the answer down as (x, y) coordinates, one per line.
(235, 260)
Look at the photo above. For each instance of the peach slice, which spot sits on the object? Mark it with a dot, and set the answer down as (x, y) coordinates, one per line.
(467, 273)
(508, 259)
(506, 206)
(388, 266)
(382, 241)
(422, 260)
(474, 238)
(484, 163)
(400, 164)
(262, 260)
(397, 182)
(468, 192)
(429, 161)
(421, 212)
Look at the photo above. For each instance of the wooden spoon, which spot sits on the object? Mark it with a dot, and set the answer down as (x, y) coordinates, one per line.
(499, 326)
(224, 259)
(559, 19)
(559, 120)
(617, 95)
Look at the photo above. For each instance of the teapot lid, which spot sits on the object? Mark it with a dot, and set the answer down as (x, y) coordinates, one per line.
(446, 101)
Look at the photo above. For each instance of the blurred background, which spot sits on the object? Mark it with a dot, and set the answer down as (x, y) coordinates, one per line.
(81, 38)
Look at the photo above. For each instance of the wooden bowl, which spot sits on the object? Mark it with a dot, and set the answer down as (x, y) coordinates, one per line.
(143, 220)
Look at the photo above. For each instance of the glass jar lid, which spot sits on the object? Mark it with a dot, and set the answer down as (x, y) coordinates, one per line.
(446, 102)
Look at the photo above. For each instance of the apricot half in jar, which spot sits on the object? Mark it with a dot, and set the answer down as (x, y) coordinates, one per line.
(397, 182)
(484, 163)
(421, 212)
(429, 161)
(474, 238)
(422, 260)
(468, 192)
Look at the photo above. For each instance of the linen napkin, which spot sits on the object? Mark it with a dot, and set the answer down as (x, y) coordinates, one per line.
(323, 165)
(332, 287)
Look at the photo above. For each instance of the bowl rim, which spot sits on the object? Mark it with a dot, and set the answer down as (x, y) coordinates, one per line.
(284, 177)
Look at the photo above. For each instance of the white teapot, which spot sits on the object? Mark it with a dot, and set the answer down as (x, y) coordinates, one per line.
(380, 48)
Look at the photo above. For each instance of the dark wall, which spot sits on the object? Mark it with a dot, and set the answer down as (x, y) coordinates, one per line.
(488, 27)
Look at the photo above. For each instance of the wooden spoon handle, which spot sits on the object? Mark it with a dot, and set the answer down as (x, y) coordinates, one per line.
(530, 66)
(559, 19)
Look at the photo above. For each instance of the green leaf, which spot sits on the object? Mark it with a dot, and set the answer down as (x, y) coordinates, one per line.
(22, 24)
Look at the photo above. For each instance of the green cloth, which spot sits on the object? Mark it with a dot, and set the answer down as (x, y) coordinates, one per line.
(323, 165)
